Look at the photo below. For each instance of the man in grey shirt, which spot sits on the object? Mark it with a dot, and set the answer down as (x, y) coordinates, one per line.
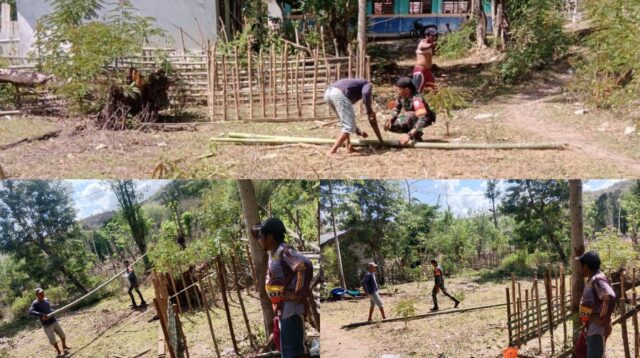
(41, 308)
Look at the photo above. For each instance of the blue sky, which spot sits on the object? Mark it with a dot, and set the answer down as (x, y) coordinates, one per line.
(95, 196)
(465, 197)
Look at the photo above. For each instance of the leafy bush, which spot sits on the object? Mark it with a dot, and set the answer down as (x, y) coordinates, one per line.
(608, 74)
(445, 100)
(613, 251)
(455, 45)
(405, 309)
(516, 263)
(20, 306)
(537, 38)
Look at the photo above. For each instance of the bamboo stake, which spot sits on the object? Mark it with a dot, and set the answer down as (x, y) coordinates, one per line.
(250, 74)
(636, 336)
(236, 83)
(563, 307)
(262, 83)
(286, 78)
(297, 88)
(163, 324)
(368, 66)
(253, 269)
(526, 300)
(206, 309)
(623, 310)
(210, 82)
(272, 63)
(350, 51)
(549, 293)
(513, 292)
(173, 284)
(509, 327)
(539, 314)
(241, 302)
(223, 290)
(315, 80)
(520, 314)
(181, 331)
(302, 92)
(224, 87)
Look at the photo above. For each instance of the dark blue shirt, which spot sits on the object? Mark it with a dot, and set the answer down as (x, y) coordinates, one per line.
(40, 308)
(369, 283)
(356, 89)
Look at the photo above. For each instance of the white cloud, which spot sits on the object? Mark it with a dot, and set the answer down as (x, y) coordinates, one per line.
(595, 185)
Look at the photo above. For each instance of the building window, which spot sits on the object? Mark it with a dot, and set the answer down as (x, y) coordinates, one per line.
(455, 7)
(420, 7)
(382, 7)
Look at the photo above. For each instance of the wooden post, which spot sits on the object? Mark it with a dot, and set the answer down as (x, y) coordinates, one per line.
(206, 309)
(285, 61)
(224, 87)
(513, 291)
(181, 331)
(298, 107)
(526, 303)
(223, 291)
(539, 314)
(303, 90)
(236, 81)
(636, 334)
(549, 293)
(273, 82)
(315, 81)
(186, 292)
(350, 68)
(509, 317)
(250, 74)
(362, 37)
(241, 302)
(623, 323)
(210, 81)
(520, 315)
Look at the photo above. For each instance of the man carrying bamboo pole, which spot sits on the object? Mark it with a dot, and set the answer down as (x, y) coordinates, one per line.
(411, 114)
(596, 307)
(438, 275)
(41, 308)
(287, 283)
(133, 285)
(341, 96)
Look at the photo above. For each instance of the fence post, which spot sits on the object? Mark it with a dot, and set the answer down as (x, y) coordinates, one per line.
(623, 310)
(549, 293)
(509, 317)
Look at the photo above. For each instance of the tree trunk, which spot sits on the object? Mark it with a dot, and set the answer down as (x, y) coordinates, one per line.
(258, 255)
(21, 78)
(343, 283)
(577, 249)
(503, 25)
(493, 210)
(362, 37)
(69, 275)
(481, 24)
(223, 291)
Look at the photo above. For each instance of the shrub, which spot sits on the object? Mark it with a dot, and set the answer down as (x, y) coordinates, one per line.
(20, 306)
(445, 100)
(455, 45)
(405, 309)
(516, 263)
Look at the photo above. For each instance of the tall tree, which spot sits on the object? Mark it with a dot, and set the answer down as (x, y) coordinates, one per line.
(577, 249)
(362, 38)
(129, 200)
(539, 209)
(336, 238)
(493, 193)
(477, 9)
(631, 206)
(38, 225)
(258, 254)
(335, 16)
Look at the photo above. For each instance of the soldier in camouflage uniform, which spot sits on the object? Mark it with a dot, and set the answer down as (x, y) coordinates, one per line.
(411, 114)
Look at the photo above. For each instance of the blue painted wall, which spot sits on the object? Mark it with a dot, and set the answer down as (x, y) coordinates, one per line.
(393, 24)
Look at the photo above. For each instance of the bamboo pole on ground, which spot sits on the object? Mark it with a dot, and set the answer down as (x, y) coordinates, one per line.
(206, 309)
(623, 310)
(241, 302)
(250, 76)
(539, 313)
(636, 334)
(224, 87)
(236, 82)
(549, 293)
(509, 327)
(315, 80)
(223, 291)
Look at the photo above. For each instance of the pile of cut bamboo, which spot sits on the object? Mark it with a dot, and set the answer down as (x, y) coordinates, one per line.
(257, 139)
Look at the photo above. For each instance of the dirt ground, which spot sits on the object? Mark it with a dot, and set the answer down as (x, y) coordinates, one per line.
(539, 111)
(111, 328)
(481, 333)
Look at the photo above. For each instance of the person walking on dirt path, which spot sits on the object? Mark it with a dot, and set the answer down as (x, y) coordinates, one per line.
(411, 114)
(370, 286)
(133, 285)
(438, 275)
(596, 306)
(341, 97)
(41, 308)
(287, 283)
(422, 76)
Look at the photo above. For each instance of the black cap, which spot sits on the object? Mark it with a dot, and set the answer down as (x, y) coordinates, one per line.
(405, 82)
(591, 259)
(39, 290)
(273, 226)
